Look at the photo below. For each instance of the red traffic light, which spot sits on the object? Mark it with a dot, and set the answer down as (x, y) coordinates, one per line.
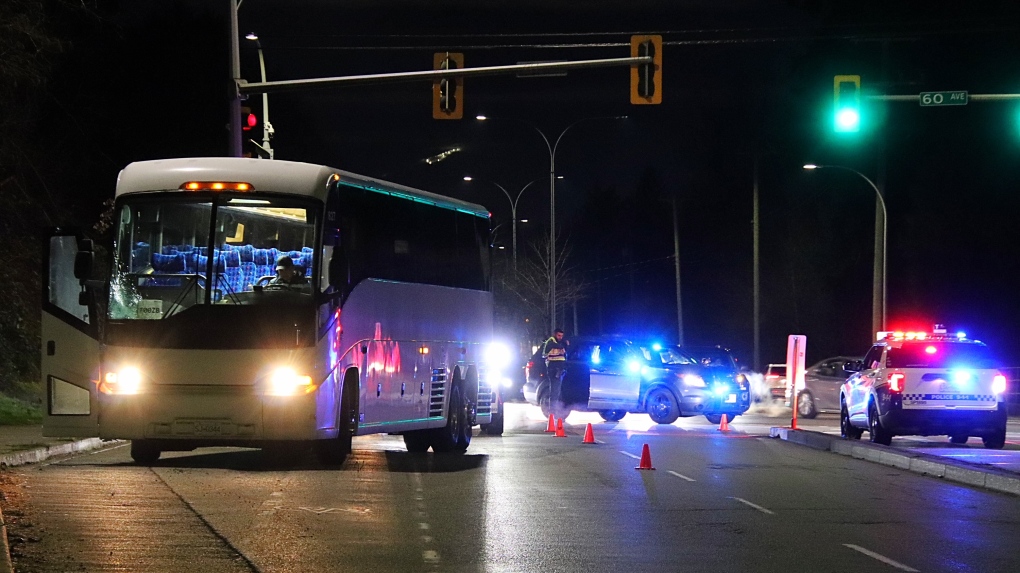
(248, 119)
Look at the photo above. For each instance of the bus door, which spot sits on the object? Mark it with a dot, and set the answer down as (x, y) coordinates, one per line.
(70, 345)
(614, 386)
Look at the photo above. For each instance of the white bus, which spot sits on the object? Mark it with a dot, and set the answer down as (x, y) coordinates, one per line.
(188, 342)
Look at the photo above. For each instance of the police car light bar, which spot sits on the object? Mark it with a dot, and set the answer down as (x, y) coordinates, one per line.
(900, 335)
(938, 333)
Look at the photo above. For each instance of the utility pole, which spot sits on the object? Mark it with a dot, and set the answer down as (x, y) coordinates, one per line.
(756, 272)
(676, 266)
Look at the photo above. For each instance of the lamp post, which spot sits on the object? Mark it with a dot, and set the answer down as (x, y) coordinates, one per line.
(267, 128)
(878, 284)
(552, 147)
(513, 212)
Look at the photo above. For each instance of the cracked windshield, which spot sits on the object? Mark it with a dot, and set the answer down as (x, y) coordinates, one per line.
(171, 256)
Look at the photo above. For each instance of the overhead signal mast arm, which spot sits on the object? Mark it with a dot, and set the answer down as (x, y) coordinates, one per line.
(244, 87)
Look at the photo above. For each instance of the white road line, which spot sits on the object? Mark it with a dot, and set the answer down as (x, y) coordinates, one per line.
(630, 454)
(682, 476)
(881, 558)
(754, 505)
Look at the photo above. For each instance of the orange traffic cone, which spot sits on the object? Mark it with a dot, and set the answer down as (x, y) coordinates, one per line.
(589, 435)
(552, 425)
(646, 459)
(559, 429)
(724, 424)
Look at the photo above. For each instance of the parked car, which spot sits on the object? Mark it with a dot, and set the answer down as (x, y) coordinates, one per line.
(775, 382)
(822, 380)
(615, 376)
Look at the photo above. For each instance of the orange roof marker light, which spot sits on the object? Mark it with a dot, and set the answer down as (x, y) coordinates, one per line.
(217, 186)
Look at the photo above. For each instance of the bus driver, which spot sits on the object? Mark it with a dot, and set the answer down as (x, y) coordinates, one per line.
(287, 273)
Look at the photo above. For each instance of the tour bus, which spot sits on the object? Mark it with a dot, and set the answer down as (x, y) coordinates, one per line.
(183, 338)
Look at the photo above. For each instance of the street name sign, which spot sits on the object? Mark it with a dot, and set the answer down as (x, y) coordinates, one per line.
(943, 98)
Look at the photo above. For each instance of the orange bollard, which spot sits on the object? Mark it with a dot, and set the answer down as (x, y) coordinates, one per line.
(559, 429)
(724, 424)
(646, 459)
(589, 435)
(552, 425)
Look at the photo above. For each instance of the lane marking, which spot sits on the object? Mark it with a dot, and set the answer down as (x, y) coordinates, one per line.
(630, 454)
(681, 476)
(881, 558)
(430, 556)
(754, 505)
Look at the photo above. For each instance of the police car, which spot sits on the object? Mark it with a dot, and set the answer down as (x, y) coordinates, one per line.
(916, 383)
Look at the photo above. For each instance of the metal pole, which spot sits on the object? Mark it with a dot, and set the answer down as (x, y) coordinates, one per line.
(235, 70)
(266, 126)
(676, 266)
(756, 272)
(552, 236)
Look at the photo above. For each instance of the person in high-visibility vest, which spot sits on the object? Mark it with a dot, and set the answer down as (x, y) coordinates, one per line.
(554, 351)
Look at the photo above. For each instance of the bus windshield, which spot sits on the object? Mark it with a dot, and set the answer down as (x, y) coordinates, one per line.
(174, 255)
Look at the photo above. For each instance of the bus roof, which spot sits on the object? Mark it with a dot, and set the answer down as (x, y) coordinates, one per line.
(268, 175)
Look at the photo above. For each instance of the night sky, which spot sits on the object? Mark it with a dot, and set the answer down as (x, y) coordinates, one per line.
(742, 80)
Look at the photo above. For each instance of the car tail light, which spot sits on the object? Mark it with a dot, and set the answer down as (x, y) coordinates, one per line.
(896, 382)
(998, 384)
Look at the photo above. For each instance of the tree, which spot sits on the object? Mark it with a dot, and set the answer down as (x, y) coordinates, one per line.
(528, 287)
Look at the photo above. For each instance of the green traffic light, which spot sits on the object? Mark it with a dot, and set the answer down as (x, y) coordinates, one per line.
(847, 120)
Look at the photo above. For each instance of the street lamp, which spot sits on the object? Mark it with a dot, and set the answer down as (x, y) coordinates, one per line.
(552, 147)
(878, 285)
(267, 128)
(513, 211)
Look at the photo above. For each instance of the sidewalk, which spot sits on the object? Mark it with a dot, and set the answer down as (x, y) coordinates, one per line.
(20, 445)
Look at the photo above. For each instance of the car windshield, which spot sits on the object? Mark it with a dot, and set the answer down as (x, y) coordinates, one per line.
(941, 355)
(712, 357)
(778, 370)
(668, 355)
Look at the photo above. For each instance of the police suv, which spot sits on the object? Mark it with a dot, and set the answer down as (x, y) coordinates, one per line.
(916, 383)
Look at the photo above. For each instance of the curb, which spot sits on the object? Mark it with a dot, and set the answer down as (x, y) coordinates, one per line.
(42, 454)
(926, 464)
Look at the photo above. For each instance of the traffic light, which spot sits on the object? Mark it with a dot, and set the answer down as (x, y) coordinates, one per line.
(248, 119)
(447, 94)
(646, 79)
(846, 95)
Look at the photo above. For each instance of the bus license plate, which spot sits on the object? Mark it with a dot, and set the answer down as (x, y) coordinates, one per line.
(731, 399)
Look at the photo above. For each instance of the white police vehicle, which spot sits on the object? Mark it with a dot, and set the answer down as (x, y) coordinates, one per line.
(916, 383)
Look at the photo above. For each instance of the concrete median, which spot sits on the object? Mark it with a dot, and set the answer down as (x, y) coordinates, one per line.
(953, 470)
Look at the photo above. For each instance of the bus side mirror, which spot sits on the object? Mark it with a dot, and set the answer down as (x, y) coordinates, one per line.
(84, 260)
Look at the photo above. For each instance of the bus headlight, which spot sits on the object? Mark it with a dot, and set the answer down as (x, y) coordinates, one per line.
(498, 356)
(286, 382)
(127, 380)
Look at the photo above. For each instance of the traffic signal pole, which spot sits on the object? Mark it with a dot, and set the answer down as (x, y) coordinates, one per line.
(234, 125)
